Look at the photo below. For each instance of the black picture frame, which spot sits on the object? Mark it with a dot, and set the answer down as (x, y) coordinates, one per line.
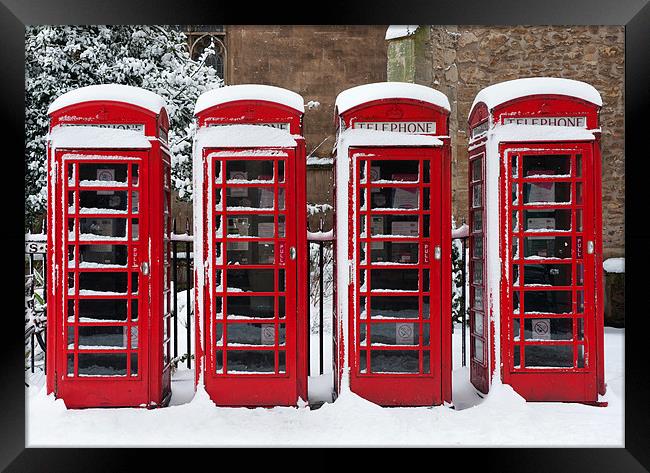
(634, 14)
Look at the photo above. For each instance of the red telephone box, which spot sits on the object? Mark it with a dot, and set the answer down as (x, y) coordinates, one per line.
(393, 254)
(251, 245)
(109, 191)
(536, 295)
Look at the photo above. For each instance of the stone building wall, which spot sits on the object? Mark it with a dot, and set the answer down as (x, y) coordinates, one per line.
(461, 60)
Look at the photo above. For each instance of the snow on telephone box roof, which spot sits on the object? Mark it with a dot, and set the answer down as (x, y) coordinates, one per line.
(232, 93)
(361, 94)
(242, 136)
(112, 93)
(503, 92)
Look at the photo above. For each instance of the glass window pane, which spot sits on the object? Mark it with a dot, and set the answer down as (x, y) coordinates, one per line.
(553, 302)
(548, 329)
(102, 282)
(135, 175)
(476, 195)
(548, 165)
(250, 253)
(134, 364)
(103, 173)
(476, 170)
(395, 198)
(70, 365)
(254, 334)
(135, 203)
(394, 361)
(547, 274)
(394, 307)
(400, 280)
(103, 310)
(477, 292)
(553, 356)
(102, 228)
(102, 337)
(242, 170)
(394, 252)
(262, 226)
(250, 306)
(547, 247)
(479, 356)
(517, 357)
(394, 225)
(394, 170)
(477, 272)
(102, 254)
(102, 364)
(248, 361)
(547, 192)
(478, 324)
(244, 198)
(250, 280)
(402, 333)
(91, 202)
(477, 220)
(547, 220)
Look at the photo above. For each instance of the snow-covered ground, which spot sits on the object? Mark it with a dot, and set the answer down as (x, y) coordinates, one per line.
(502, 418)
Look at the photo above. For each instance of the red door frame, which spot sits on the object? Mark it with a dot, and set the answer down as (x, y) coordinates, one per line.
(397, 389)
(238, 389)
(94, 391)
(556, 384)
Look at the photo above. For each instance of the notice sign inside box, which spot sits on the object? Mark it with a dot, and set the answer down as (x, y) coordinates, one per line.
(404, 228)
(105, 175)
(405, 334)
(239, 176)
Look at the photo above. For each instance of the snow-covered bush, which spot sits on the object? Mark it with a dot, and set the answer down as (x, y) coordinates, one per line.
(62, 58)
(457, 278)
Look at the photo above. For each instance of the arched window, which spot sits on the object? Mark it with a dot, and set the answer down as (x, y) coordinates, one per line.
(198, 43)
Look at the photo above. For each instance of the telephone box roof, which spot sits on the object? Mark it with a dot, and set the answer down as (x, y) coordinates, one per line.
(110, 92)
(232, 93)
(503, 92)
(355, 96)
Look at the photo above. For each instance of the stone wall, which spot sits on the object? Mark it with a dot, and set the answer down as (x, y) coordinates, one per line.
(461, 60)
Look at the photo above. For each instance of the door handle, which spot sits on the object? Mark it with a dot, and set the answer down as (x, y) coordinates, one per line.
(437, 252)
(590, 247)
(144, 268)
(292, 253)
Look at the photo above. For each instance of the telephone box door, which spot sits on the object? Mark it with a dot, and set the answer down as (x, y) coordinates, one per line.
(103, 273)
(549, 315)
(397, 355)
(251, 231)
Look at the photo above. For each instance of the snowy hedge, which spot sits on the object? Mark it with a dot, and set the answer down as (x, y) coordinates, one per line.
(62, 58)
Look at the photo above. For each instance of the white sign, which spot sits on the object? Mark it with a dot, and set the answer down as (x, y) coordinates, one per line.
(541, 329)
(580, 122)
(35, 247)
(405, 334)
(422, 128)
(268, 334)
(139, 127)
(279, 125)
(105, 174)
